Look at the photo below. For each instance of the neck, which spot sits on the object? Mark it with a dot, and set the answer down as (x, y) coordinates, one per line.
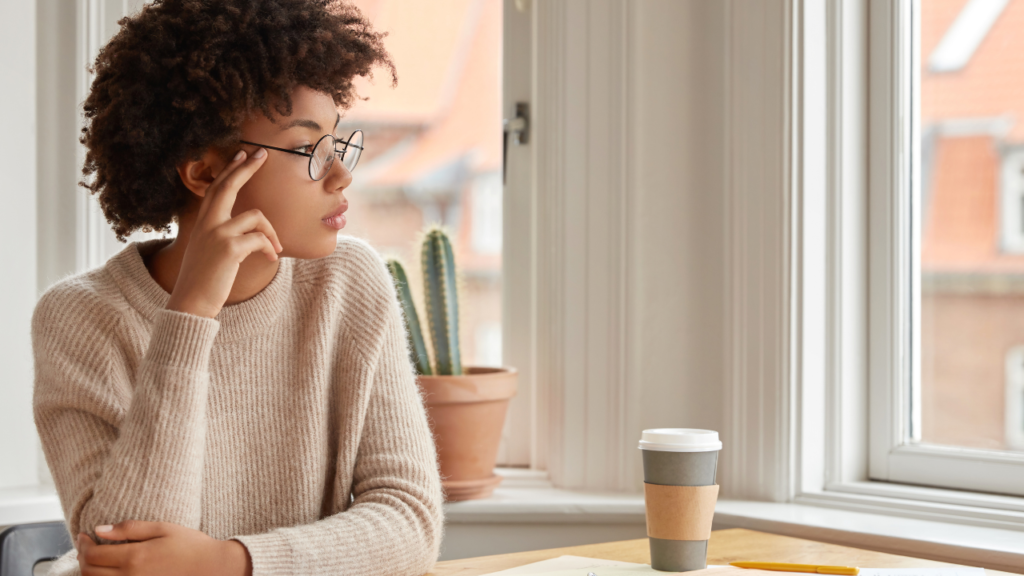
(254, 273)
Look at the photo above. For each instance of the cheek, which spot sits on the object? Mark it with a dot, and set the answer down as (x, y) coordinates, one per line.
(292, 209)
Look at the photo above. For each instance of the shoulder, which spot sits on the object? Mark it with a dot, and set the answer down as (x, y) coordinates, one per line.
(82, 307)
(76, 343)
(355, 268)
(356, 277)
(79, 349)
(358, 257)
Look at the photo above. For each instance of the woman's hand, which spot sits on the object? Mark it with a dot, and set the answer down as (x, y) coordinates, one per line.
(219, 243)
(161, 549)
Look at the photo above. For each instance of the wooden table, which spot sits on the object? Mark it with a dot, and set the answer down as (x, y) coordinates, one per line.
(725, 546)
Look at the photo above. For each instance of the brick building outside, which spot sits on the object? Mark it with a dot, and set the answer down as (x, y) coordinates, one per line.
(972, 237)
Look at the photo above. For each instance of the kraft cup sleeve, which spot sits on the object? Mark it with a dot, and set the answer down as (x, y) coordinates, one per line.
(680, 512)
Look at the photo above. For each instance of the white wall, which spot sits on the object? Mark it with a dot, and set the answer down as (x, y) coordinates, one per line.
(629, 218)
(19, 448)
(677, 111)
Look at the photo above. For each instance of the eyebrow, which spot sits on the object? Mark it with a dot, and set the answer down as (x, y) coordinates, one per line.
(306, 123)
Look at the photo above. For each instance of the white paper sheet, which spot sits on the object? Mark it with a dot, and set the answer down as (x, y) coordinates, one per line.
(580, 566)
(640, 570)
(562, 563)
(944, 571)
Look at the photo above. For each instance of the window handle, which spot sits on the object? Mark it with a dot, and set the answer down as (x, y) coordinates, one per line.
(519, 128)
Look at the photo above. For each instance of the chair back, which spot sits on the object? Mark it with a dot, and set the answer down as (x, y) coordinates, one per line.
(22, 546)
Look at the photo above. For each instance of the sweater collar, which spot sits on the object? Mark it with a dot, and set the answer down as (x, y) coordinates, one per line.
(239, 320)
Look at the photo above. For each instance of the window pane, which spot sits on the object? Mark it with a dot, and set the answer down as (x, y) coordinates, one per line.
(972, 237)
(434, 151)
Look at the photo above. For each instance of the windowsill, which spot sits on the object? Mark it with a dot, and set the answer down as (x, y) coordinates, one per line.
(993, 548)
(526, 497)
(29, 504)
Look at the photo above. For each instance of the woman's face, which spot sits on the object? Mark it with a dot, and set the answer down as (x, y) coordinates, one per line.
(306, 214)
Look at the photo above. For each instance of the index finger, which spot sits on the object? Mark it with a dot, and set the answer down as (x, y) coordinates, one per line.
(204, 204)
(224, 188)
(111, 555)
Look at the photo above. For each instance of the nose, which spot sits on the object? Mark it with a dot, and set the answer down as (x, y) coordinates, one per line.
(339, 176)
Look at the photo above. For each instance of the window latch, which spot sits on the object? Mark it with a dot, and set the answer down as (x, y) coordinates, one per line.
(519, 129)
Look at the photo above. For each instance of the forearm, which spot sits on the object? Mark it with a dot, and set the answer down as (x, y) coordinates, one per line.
(154, 470)
(395, 534)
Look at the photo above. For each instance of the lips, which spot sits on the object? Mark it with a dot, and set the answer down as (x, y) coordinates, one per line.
(336, 219)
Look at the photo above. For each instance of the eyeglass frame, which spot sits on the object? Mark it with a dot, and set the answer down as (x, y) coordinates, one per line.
(309, 170)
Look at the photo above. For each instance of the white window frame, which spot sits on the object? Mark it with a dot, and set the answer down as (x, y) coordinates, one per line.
(895, 272)
(810, 395)
(519, 446)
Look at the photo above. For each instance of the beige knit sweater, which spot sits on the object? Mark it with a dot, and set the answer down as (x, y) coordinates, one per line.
(291, 422)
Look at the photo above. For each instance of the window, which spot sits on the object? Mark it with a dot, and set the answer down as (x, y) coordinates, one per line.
(952, 314)
(971, 310)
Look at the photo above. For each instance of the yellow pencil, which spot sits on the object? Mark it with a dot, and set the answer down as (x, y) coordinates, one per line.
(812, 568)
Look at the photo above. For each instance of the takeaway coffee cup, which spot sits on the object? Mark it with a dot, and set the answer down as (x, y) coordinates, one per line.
(680, 466)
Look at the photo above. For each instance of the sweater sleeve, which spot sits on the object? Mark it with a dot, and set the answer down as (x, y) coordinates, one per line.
(394, 526)
(121, 443)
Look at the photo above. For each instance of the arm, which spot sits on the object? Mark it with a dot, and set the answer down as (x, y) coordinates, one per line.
(128, 444)
(394, 525)
(120, 449)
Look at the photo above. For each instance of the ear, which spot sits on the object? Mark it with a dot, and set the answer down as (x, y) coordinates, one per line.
(197, 175)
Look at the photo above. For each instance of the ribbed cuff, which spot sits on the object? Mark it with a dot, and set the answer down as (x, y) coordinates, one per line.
(182, 340)
(271, 554)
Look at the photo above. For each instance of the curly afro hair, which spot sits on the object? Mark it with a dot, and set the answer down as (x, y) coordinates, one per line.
(181, 76)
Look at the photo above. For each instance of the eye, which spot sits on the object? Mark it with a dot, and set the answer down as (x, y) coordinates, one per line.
(305, 148)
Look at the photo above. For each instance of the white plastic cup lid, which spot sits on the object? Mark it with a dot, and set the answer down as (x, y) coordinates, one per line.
(680, 440)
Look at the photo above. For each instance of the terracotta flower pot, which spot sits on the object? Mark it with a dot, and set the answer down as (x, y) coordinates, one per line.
(467, 414)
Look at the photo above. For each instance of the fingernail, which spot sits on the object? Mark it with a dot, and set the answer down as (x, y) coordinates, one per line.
(260, 153)
(239, 156)
(104, 528)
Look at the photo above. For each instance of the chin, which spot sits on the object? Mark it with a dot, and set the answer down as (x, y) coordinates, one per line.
(321, 248)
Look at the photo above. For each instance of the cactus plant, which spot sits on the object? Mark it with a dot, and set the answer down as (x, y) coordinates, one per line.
(465, 406)
(412, 320)
(442, 301)
(440, 295)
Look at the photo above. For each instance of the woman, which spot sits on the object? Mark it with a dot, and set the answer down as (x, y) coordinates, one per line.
(240, 399)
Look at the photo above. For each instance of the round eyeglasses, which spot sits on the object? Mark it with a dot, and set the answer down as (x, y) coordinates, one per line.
(322, 157)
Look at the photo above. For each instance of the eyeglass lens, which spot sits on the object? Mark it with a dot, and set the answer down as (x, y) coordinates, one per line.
(328, 147)
(353, 150)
